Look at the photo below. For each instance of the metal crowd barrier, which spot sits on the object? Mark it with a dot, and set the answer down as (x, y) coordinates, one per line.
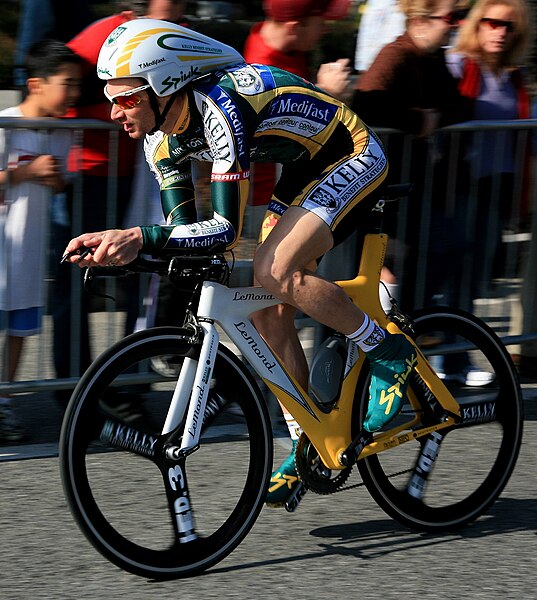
(507, 273)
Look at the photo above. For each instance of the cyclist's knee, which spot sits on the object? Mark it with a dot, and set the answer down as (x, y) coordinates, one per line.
(282, 285)
(274, 275)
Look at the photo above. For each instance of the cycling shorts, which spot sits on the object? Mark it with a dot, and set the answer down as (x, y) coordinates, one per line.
(337, 191)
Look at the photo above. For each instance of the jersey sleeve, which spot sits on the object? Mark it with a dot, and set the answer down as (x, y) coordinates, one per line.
(176, 191)
(224, 130)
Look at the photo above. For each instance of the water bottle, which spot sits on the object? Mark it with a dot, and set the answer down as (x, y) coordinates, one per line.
(327, 369)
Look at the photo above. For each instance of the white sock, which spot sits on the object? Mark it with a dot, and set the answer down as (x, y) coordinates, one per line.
(368, 336)
(295, 430)
(385, 291)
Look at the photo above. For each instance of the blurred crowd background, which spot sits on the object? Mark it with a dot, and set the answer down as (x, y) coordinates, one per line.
(466, 239)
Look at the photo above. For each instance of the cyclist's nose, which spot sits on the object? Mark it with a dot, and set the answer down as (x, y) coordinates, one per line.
(115, 112)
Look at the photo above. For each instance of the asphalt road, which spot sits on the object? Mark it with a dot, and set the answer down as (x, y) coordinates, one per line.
(332, 547)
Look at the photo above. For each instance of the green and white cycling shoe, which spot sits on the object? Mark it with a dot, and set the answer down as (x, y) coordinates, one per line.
(284, 482)
(391, 364)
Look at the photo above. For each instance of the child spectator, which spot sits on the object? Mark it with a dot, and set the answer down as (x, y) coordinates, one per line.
(33, 163)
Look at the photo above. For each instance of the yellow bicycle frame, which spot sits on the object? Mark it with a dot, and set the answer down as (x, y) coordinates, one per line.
(330, 433)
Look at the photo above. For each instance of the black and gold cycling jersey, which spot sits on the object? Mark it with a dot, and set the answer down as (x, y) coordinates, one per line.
(256, 113)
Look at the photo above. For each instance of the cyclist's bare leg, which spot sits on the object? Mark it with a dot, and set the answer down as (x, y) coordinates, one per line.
(280, 265)
(277, 326)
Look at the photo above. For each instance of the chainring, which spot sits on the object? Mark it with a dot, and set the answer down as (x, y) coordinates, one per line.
(311, 471)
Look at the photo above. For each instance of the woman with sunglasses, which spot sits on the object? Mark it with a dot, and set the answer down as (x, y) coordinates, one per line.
(486, 59)
(409, 88)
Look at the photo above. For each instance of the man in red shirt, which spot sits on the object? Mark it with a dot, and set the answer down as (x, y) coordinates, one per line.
(291, 29)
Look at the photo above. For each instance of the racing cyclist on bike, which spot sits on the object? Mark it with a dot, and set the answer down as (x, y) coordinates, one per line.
(194, 99)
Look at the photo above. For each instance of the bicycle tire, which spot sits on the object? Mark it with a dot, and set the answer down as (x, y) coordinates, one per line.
(474, 462)
(118, 496)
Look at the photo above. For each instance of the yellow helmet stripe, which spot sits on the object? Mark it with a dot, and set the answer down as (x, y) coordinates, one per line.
(123, 61)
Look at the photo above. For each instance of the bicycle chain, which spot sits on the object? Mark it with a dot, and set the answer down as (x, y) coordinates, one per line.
(357, 485)
(308, 466)
(311, 471)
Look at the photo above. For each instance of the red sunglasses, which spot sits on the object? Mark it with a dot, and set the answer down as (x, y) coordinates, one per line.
(498, 23)
(128, 99)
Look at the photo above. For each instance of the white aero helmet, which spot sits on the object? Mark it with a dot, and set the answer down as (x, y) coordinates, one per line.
(166, 55)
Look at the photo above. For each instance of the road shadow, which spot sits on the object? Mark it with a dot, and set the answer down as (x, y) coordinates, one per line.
(507, 515)
(373, 539)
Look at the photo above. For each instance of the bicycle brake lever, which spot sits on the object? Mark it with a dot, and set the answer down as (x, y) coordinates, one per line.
(81, 252)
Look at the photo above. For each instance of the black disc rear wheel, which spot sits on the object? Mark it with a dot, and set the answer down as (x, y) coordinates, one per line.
(469, 464)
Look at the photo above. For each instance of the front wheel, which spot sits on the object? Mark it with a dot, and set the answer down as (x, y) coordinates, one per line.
(123, 486)
(447, 479)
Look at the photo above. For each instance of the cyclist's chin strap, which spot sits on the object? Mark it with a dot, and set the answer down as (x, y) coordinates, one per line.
(160, 117)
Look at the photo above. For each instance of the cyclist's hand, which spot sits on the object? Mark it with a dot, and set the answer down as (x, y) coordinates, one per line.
(113, 247)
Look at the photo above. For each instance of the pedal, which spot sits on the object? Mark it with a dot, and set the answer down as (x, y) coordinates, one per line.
(296, 497)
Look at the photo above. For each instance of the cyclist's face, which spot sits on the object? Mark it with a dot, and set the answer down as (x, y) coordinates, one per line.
(132, 111)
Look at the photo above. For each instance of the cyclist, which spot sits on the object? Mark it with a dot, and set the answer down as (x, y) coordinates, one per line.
(194, 99)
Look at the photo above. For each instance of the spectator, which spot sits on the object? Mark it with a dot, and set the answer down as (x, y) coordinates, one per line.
(381, 23)
(35, 169)
(491, 45)
(291, 29)
(408, 87)
(97, 209)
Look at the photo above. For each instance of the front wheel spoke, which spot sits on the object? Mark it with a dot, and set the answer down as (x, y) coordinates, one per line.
(123, 437)
(179, 505)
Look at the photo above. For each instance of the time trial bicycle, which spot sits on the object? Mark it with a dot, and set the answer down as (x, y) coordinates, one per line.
(174, 492)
